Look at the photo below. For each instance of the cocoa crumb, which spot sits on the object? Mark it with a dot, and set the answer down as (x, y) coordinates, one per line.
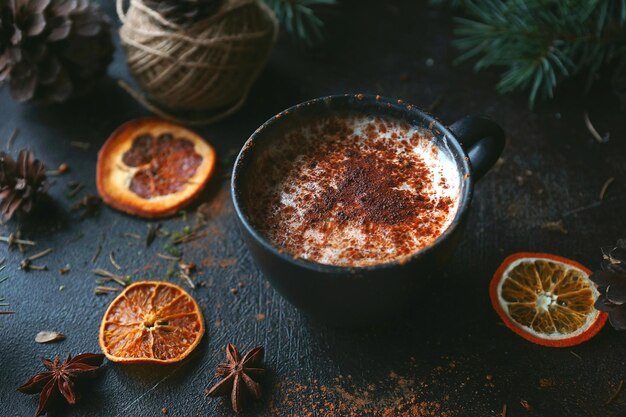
(526, 405)
(546, 383)
(226, 263)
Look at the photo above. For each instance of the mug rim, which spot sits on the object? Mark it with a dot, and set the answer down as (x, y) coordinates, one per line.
(383, 103)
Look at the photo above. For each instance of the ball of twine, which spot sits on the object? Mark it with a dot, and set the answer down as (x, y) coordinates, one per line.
(206, 67)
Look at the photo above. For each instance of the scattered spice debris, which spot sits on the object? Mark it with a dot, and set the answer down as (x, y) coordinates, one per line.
(593, 131)
(13, 239)
(227, 263)
(555, 226)
(153, 230)
(20, 245)
(616, 394)
(62, 169)
(187, 268)
(49, 337)
(81, 145)
(27, 263)
(187, 234)
(401, 397)
(109, 276)
(416, 408)
(96, 254)
(88, 206)
(12, 138)
(605, 188)
(546, 383)
(185, 271)
(114, 262)
(100, 290)
(74, 189)
(168, 257)
(526, 405)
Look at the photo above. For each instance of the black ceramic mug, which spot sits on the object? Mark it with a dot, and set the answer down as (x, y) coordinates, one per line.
(360, 295)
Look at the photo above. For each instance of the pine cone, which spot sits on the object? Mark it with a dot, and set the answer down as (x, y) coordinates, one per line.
(611, 282)
(184, 12)
(51, 50)
(21, 183)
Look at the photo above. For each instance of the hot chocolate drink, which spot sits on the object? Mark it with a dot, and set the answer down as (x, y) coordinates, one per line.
(353, 190)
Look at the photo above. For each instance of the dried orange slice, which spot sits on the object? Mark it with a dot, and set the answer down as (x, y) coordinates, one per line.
(546, 299)
(152, 168)
(151, 322)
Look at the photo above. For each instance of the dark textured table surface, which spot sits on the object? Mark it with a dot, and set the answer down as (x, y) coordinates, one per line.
(452, 352)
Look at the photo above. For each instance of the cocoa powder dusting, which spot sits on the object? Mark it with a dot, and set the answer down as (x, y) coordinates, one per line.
(352, 191)
(393, 396)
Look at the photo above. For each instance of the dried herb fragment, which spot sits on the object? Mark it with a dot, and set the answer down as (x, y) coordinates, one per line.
(114, 262)
(611, 283)
(2, 303)
(109, 276)
(238, 376)
(555, 226)
(27, 263)
(12, 240)
(153, 230)
(186, 269)
(74, 188)
(88, 206)
(168, 257)
(61, 378)
(96, 253)
(100, 290)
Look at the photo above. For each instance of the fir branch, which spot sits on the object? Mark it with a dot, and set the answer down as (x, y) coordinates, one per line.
(298, 18)
(541, 42)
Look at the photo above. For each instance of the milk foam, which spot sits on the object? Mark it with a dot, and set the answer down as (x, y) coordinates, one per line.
(295, 181)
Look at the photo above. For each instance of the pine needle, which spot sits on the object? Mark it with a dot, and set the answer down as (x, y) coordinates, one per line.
(605, 188)
(298, 18)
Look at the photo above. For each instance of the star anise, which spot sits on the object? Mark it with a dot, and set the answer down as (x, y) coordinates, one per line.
(611, 283)
(61, 379)
(239, 374)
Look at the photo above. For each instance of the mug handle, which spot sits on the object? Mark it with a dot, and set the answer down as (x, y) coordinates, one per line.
(483, 141)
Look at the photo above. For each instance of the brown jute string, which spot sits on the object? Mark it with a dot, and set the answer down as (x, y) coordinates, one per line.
(208, 67)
